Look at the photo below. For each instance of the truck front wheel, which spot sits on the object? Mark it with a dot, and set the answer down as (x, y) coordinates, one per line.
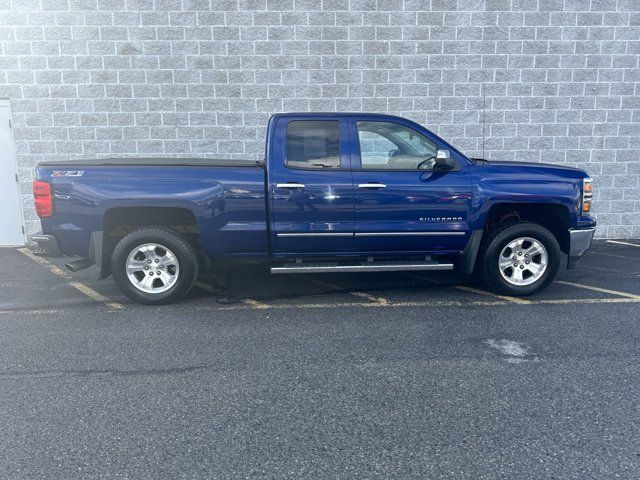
(520, 259)
(154, 265)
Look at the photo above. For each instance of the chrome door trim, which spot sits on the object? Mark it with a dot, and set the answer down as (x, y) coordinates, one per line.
(316, 234)
(290, 185)
(398, 234)
(372, 185)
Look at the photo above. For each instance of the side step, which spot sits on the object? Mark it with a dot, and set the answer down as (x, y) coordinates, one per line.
(374, 266)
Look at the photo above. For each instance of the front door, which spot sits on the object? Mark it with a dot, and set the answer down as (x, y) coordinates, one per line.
(10, 212)
(310, 187)
(401, 203)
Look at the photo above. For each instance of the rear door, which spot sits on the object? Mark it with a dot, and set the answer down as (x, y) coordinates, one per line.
(401, 204)
(311, 186)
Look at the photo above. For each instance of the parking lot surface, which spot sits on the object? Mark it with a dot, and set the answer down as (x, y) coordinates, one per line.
(385, 375)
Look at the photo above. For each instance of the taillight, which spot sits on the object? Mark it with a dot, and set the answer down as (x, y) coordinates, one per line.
(43, 198)
(587, 195)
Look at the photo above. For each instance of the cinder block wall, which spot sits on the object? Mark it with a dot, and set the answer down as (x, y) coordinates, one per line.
(535, 80)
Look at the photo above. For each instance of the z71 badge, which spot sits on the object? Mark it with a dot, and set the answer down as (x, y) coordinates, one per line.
(68, 173)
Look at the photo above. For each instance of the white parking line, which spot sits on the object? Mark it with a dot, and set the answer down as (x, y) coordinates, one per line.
(623, 243)
(465, 288)
(30, 312)
(521, 301)
(595, 252)
(444, 303)
(81, 287)
(253, 305)
(562, 301)
(584, 265)
(602, 290)
(298, 306)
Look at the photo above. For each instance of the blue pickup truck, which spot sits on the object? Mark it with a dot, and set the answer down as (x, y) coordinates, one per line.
(337, 192)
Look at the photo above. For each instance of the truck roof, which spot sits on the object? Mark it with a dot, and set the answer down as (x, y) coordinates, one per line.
(367, 115)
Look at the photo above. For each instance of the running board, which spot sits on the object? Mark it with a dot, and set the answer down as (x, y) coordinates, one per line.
(360, 267)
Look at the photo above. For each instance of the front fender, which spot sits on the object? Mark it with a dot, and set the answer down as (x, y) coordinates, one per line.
(522, 185)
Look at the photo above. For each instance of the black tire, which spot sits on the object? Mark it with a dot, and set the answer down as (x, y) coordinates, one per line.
(493, 246)
(183, 251)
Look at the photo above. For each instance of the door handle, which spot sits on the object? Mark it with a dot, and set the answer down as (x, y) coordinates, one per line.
(290, 185)
(372, 185)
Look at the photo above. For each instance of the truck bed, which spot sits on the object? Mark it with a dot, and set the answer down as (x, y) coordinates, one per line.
(225, 197)
(157, 161)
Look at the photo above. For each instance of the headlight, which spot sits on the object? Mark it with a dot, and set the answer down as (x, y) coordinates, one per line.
(587, 195)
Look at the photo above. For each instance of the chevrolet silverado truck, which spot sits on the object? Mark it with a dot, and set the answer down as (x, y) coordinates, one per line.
(337, 192)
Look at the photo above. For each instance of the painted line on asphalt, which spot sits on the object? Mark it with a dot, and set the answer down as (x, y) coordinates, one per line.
(255, 304)
(41, 261)
(249, 305)
(81, 287)
(520, 301)
(562, 301)
(374, 299)
(584, 265)
(465, 288)
(248, 301)
(424, 304)
(623, 243)
(30, 312)
(300, 306)
(377, 300)
(608, 255)
(601, 290)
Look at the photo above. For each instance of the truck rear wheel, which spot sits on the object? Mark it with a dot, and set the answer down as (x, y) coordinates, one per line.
(520, 259)
(154, 265)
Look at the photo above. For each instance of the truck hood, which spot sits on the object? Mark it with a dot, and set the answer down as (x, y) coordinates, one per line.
(531, 167)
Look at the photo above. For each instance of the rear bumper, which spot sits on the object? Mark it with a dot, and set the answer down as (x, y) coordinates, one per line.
(44, 245)
(579, 242)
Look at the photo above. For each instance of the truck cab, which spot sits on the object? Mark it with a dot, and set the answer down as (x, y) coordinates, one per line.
(365, 184)
(336, 192)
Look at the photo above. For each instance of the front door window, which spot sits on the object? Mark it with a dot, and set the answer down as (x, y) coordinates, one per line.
(389, 146)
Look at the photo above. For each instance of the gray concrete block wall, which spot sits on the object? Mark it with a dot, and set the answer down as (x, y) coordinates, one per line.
(534, 80)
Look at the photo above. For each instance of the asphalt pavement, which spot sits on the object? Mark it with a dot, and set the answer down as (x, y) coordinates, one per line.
(379, 375)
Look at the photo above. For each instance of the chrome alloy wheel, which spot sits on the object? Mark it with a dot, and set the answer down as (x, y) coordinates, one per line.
(152, 268)
(523, 261)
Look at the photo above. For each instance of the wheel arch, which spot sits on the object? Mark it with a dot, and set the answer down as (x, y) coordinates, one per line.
(554, 217)
(119, 221)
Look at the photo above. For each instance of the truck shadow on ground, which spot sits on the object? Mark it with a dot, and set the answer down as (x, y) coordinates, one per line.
(257, 283)
(28, 285)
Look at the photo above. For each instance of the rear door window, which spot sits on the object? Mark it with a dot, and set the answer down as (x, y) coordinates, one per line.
(313, 144)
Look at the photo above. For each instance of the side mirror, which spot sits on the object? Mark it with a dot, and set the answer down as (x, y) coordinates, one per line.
(443, 154)
(444, 162)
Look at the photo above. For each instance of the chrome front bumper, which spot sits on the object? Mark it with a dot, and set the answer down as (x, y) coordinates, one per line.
(579, 242)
